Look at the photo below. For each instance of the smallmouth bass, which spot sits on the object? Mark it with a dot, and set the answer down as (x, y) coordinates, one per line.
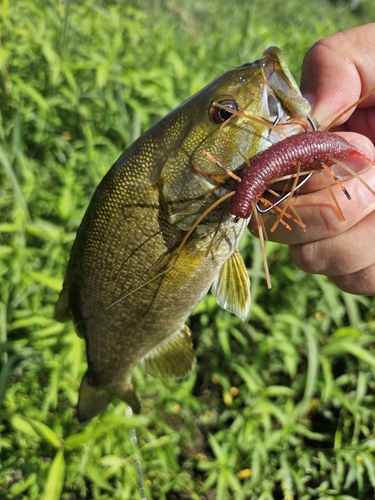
(130, 283)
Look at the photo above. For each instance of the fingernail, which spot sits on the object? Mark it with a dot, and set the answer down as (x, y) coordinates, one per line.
(366, 196)
(310, 98)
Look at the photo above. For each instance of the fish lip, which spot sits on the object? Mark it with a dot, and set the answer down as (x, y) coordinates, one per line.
(281, 82)
(268, 67)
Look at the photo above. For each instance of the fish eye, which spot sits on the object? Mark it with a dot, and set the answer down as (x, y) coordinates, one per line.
(221, 114)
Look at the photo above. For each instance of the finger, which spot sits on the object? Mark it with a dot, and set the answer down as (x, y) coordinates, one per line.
(361, 121)
(320, 215)
(343, 254)
(318, 209)
(360, 283)
(337, 71)
(357, 164)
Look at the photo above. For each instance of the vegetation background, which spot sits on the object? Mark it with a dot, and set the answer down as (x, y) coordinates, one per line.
(280, 406)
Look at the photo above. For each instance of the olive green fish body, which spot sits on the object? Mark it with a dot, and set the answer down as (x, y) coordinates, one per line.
(129, 281)
(130, 284)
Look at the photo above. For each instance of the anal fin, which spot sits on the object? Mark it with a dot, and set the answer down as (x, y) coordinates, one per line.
(172, 358)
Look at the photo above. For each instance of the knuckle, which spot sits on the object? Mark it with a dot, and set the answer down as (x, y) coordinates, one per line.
(308, 257)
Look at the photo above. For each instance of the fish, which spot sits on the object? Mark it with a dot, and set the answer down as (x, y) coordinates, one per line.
(152, 242)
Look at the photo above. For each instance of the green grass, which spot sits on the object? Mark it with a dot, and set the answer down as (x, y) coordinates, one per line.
(280, 406)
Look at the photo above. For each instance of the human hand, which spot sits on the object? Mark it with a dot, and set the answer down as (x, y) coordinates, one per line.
(336, 72)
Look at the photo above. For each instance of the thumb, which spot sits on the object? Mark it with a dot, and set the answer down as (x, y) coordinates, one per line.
(337, 71)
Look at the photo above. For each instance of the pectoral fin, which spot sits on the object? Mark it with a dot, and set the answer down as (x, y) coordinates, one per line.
(232, 286)
(173, 358)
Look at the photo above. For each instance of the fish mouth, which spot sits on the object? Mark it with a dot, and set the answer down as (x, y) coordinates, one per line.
(275, 111)
(281, 100)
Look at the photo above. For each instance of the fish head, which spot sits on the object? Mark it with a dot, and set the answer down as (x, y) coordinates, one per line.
(238, 115)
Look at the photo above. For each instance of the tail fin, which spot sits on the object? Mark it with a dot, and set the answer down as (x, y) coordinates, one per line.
(92, 400)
